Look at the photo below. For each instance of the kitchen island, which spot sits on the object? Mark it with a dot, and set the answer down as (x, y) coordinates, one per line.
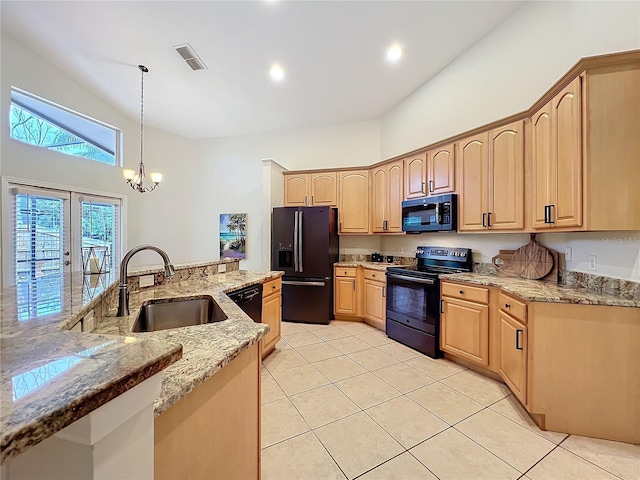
(124, 358)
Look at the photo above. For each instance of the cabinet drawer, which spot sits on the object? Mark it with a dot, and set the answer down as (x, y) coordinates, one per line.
(516, 308)
(465, 292)
(345, 272)
(272, 286)
(375, 275)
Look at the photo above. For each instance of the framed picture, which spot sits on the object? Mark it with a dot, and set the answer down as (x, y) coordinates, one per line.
(233, 235)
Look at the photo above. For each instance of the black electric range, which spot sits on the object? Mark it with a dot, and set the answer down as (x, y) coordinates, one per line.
(413, 296)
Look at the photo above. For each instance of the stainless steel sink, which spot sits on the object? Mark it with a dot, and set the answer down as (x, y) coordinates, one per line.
(163, 314)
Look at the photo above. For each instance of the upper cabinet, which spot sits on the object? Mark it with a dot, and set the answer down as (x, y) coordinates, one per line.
(556, 147)
(310, 189)
(386, 197)
(353, 201)
(441, 170)
(430, 173)
(491, 170)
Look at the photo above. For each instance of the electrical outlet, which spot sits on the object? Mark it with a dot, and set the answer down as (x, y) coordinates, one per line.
(401, 250)
(567, 254)
(593, 262)
(356, 248)
(222, 267)
(146, 281)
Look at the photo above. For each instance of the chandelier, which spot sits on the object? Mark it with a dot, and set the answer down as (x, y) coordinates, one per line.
(137, 178)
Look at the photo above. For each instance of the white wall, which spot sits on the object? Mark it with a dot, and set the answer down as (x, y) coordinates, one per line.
(503, 74)
(156, 217)
(230, 175)
(509, 69)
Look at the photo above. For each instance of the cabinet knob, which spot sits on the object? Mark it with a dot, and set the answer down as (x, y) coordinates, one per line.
(461, 292)
(373, 275)
(273, 287)
(506, 305)
(345, 273)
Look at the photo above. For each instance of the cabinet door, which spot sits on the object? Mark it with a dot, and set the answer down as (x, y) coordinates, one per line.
(375, 302)
(415, 169)
(506, 177)
(441, 170)
(272, 316)
(567, 140)
(465, 330)
(296, 190)
(353, 201)
(394, 197)
(345, 296)
(379, 198)
(473, 180)
(544, 168)
(324, 188)
(513, 355)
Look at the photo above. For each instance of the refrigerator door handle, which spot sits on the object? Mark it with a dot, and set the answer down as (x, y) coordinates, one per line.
(295, 241)
(303, 284)
(300, 268)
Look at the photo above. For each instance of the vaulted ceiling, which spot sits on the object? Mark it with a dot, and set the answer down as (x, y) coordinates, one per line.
(333, 53)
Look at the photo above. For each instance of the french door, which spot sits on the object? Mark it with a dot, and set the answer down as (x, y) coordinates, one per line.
(49, 233)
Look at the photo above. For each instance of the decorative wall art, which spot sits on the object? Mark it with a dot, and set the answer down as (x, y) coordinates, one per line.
(233, 235)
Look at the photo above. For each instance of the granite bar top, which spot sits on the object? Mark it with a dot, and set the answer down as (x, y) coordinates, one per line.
(206, 348)
(538, 291)
(370, 265)
(50, 377)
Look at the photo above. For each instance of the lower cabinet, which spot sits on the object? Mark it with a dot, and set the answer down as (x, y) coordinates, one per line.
(214, 431)
(345, 300)
(464, 330)
(271, 314)
(374, 298)
(513, 355)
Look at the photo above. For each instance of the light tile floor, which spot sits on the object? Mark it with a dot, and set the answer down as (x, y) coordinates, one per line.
(344, 401)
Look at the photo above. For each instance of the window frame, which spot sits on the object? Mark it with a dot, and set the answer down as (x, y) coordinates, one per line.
(117, 151)
(77, 195)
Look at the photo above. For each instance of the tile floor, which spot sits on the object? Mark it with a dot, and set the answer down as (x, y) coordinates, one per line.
(344, 401)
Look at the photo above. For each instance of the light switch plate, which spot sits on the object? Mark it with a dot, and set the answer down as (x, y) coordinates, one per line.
(146, 281)
(567, 254)
(222, 267)
(593, 262)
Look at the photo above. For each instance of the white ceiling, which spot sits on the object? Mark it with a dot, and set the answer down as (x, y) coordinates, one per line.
(332, 51)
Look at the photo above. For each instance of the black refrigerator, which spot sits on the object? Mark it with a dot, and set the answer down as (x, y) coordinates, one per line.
(304, 245)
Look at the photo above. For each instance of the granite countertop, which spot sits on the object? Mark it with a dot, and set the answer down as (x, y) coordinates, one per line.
(50, 377)
(371, 265)
(206, 348)
(538, 291)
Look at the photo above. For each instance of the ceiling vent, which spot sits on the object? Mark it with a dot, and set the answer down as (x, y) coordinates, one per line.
(190, 56)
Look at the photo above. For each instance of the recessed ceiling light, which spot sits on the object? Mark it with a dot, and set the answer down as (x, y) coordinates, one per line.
(277, 72)
(394, 53)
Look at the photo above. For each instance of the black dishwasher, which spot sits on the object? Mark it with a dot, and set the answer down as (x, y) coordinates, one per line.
(249, 299)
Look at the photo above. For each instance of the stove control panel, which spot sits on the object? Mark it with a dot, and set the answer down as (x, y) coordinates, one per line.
(449, 254)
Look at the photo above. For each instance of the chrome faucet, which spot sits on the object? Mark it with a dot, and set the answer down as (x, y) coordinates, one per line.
(123, 297)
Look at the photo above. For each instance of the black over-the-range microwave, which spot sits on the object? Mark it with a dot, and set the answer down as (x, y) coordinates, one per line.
(430, 214)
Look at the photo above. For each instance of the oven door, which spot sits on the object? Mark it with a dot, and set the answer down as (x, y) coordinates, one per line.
(414, 302)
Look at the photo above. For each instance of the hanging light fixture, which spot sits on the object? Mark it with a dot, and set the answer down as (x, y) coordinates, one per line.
(136, 178)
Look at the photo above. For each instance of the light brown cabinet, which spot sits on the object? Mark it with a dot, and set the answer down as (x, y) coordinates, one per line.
(374, 298)
(386, 197)
(310, 189)
(271, 314)
(492, 180)
(464, 325)
(345, 294)
(353, 201)
(430, 173)
(513, 355)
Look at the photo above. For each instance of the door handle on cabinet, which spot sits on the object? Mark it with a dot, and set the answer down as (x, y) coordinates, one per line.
(422, 188)
(550, 206)
(518, 346)
(484, 219)
(305, 200)
(546, 214)
(311, 199)
(441, 306)
(354, 284)
(489, 219)
(430, 186)
(384, 293)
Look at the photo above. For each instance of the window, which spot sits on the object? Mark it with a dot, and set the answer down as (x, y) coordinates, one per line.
(50, 233)
(41, 123)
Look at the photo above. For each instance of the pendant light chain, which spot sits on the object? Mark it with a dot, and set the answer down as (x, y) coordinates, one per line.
(142, 69)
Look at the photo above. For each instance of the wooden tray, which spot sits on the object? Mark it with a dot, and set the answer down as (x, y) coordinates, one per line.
(502, 262)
